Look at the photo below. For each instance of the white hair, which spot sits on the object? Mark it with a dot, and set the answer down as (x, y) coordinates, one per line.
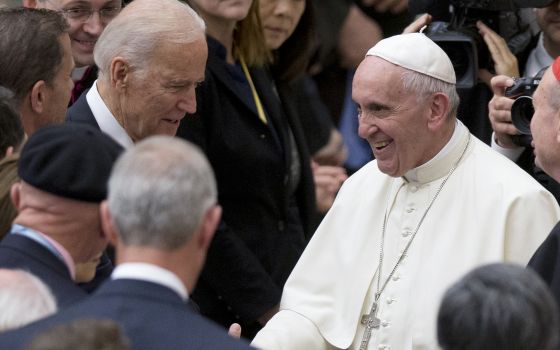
(140, 27)
(159, 191)
(23, 299)
(424, 85)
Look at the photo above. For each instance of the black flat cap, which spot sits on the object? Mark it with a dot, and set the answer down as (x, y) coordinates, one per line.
(69, 160)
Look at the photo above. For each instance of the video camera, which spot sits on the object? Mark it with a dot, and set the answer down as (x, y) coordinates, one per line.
(458, 35)
(522, 109)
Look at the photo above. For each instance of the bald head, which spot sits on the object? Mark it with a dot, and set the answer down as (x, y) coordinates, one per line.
(23, 299)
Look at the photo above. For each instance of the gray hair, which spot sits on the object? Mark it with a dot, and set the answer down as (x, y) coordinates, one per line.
(159, 191)
(143, 25)
(499, 307)
(424, 85)
(23, 299)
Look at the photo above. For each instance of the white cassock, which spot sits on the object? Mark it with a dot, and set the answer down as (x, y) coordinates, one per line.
(488, 211)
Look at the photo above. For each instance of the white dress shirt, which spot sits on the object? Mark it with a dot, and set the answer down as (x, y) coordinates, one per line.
(151, 273)
(106, 120)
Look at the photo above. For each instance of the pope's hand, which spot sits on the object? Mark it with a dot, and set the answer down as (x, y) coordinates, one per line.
(235, 330)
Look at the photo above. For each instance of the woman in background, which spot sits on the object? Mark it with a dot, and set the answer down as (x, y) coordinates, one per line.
(262, 166)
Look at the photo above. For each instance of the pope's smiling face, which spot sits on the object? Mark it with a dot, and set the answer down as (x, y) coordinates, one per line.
(391, 119)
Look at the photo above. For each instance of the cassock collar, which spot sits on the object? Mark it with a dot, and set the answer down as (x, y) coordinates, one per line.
(440, 165)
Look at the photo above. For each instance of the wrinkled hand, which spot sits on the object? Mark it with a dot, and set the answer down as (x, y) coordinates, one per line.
(505, 62)
(235, 330)
(500, 112)
(418, 24)
(393, 6)
(328, 180)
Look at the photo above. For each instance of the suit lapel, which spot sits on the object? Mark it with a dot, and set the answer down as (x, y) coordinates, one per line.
(80, 112)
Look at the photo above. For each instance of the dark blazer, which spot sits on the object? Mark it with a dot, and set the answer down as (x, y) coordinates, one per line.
(151, 315)
(20, 252)
(80, 112)
(546, 261)
(265, 227)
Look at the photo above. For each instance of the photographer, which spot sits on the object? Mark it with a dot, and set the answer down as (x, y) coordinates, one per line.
(544, 48)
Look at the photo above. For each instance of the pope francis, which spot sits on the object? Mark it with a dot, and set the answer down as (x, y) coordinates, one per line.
(435, 203)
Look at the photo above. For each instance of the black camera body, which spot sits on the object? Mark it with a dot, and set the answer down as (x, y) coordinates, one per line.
(456, 32)
(522, 109)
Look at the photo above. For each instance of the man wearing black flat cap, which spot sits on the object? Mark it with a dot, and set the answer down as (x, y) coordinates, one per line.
(64, 170)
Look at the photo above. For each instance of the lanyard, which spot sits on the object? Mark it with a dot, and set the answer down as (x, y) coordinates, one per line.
(260, 110)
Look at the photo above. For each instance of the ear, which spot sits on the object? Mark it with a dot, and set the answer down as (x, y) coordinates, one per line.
(439, 108)
(107, 224)
(120, 72)
(37, 96)
(15, 195)
(208, 226)
(30, 3)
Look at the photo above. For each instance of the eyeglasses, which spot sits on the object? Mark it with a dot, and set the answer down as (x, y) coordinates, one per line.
(83, 14)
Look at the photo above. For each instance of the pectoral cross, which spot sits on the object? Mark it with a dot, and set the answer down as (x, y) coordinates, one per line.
(370, 321)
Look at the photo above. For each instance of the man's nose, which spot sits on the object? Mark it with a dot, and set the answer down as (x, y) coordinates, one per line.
(187, 103)
(366, 128)
(94, 25)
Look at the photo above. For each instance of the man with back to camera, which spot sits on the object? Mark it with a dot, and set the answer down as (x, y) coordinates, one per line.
(432, 206)
(147, 73)
(161, 214)
(24, 298)
(58, 224)
(499, 307)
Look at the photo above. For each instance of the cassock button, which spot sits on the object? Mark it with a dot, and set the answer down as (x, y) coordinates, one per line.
(413, 189)
(406, 233)
(384, 323)
(382, 346)
(390, 301)
(410, 210)
(396, 277)
(263, 136)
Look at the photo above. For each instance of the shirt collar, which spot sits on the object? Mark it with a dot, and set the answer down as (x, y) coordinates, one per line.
(48, 243)
(106, 120)
(151, 273)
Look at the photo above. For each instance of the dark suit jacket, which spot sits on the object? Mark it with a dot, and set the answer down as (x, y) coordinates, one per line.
(546, 261)
(20, 252)
(151, 315)
(80, 112)
(265, 227)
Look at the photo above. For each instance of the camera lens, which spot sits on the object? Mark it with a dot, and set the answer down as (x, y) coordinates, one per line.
(521, 114)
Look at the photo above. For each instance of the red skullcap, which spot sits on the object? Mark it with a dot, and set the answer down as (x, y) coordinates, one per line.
(556, 68)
